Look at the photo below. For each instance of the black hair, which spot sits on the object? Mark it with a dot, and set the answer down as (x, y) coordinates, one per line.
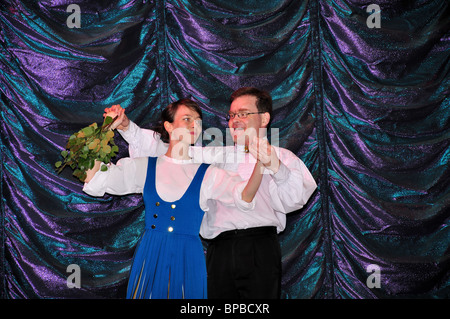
(263, 98)
(168, 114)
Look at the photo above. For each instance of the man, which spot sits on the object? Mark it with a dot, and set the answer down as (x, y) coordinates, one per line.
(243, 254)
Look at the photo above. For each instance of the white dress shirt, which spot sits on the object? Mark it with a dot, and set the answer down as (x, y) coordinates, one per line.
(172, 179)
(281, 193)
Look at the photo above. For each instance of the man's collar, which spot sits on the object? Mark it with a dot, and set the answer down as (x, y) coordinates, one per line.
(244, 148)
(239, 148)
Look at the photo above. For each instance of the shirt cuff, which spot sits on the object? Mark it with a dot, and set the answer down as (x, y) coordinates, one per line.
(282, 175)
(129, 134)
(97, 185)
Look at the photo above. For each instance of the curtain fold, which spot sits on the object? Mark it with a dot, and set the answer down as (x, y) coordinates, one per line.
(366, 109)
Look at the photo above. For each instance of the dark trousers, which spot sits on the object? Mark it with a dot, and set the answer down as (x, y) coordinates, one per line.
(244, 264)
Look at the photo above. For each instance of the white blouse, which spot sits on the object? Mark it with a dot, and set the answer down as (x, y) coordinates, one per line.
(173, 178)
(279, 194)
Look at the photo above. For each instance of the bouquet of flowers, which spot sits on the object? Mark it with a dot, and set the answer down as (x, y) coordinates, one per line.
(87, 145)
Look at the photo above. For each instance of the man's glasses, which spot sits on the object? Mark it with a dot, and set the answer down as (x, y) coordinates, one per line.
(241, 115)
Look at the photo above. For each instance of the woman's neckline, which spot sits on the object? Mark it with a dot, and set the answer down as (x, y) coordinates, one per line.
(177, 161)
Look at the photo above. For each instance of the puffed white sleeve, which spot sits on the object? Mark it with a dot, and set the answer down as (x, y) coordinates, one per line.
(292, 185)
(224, 186)
(126, 177)
(143, 142)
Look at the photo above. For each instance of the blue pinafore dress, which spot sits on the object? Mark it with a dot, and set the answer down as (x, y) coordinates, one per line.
(169, 261)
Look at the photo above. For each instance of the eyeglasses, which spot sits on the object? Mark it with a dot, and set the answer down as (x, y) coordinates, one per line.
(241, 115)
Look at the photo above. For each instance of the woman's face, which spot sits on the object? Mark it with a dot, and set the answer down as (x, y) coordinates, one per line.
(186, 126)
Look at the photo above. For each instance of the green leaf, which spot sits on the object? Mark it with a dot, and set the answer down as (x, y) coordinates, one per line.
(77, 173)
(108, 120)
(87, 145)
(104, 168)
(91, 163)
(94, 144)
(88, 131)
(109, 135)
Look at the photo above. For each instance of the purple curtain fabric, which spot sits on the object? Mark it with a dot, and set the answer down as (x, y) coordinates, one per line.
(361, 95)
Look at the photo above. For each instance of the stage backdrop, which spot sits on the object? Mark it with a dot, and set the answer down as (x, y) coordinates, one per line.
(361, 95)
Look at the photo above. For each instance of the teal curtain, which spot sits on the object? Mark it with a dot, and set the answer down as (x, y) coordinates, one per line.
(361, 95)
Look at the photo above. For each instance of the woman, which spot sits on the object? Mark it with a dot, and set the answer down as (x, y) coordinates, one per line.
(169, 260)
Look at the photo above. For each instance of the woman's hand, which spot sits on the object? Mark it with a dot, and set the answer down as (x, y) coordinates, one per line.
(91, 172)
(122, 121)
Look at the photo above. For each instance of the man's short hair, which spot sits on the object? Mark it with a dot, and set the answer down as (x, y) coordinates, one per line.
(263, 98)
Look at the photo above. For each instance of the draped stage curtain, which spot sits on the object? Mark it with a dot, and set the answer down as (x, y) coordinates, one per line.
(365, 107)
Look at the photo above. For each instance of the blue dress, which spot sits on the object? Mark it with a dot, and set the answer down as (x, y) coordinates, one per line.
(169, 262)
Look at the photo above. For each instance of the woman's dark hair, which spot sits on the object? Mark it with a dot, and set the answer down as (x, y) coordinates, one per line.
(263, 98)
(168, 114)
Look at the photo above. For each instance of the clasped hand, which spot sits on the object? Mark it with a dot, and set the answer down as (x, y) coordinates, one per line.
(265, 153)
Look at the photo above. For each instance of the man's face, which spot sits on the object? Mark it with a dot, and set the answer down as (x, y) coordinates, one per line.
(244, 129)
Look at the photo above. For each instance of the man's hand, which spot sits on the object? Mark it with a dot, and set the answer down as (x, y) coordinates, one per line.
(122, 121)
(265, 153)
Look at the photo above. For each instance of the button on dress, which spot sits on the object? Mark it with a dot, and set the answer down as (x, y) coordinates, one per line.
(169, 261)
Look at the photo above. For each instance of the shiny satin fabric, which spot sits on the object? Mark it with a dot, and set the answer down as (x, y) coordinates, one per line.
(366, 109)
